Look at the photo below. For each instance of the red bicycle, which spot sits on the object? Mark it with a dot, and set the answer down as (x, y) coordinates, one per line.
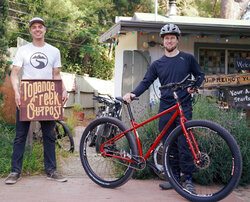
(121, 153)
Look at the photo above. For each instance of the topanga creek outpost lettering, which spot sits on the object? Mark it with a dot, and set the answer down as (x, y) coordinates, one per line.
(41, 100)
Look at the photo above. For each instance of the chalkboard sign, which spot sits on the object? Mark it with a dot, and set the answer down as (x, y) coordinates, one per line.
(242, 64)
(239, 97)
(41, 100)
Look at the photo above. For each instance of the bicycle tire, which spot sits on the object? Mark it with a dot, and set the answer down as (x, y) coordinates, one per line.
(104, 170)
(212, 178)
(64, 138)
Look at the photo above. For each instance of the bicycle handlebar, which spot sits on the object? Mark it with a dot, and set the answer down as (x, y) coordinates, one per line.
(180, 85)
(108, 101)
(123, 101)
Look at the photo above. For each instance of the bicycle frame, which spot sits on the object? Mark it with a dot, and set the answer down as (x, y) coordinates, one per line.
(179, 112)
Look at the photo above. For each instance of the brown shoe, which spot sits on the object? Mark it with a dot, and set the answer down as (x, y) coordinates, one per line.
(12, 178)
(56, 176)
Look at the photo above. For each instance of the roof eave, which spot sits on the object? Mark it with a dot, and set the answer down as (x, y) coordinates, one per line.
(187, 28)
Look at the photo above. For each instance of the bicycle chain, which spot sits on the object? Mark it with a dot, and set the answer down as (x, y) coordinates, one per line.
(143, 162)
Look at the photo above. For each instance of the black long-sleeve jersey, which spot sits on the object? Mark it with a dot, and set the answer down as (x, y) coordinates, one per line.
(170, 70)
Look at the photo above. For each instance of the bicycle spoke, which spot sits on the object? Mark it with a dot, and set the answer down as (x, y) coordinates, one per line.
(214, 172)
(101, 163)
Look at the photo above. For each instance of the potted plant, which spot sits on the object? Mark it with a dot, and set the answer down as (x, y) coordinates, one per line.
(78, 111)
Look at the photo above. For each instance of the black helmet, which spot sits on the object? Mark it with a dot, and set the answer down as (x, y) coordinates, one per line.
(170, 29)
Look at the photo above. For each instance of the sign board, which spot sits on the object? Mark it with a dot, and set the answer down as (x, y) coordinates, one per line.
(226, 80)
(242, 64)
(41, 100)
(238, 96)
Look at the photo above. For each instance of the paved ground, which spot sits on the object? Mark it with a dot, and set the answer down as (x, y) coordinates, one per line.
(80, 188)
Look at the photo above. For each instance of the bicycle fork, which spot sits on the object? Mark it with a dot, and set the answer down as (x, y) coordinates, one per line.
(191, 141)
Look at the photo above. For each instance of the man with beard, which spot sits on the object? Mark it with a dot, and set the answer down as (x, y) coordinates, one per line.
(172, 67)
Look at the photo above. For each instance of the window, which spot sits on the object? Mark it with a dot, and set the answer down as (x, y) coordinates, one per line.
(220, 61)
(234, 54)
(212, 61)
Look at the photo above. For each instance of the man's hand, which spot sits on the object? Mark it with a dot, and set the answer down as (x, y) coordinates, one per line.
(190, 91)
(64, 97)
(127, 97)
(17, 100)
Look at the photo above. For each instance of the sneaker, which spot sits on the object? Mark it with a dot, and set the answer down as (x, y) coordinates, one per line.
(190, 187)
(166, 186)
(12, 178)
(56, 176)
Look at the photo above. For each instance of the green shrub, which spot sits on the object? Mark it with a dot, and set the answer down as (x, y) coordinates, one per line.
(77, 107)
(71, 122)
(234, 121)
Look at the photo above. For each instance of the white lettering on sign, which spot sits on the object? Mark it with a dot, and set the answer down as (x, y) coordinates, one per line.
(242, 64)
(242, 99)
(235, 93)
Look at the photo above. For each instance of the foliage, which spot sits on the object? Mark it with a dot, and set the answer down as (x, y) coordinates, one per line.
(201, 8)
(77, 107)
(234, 121)
(71, 122)
(3, 39)
(74, 28)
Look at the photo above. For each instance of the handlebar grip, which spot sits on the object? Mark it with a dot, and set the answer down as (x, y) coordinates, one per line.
(168, 86)
(121, 99)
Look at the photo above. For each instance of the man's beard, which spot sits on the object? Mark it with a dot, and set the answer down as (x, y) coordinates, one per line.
(171, 50)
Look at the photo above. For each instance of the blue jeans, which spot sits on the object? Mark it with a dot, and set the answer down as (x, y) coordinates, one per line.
(22, 128)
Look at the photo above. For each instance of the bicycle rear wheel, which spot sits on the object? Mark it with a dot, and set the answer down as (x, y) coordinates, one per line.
(219, 169)
(64, 137)
(106, 170)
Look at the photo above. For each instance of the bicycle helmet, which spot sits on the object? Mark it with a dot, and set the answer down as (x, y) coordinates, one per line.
(170, 29)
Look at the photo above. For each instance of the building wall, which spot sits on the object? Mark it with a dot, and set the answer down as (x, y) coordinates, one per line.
(126, 42)
(187, 44)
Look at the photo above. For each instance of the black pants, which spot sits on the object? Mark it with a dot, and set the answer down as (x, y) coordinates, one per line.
(181, 151)
(22, 128)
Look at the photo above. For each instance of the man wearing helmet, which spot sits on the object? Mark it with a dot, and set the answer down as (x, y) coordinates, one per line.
(172, 67)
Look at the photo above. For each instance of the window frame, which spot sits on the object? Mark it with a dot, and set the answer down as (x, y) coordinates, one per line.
(219, 46)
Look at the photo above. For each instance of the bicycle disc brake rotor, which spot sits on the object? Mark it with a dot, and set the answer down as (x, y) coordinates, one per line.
(204, 161)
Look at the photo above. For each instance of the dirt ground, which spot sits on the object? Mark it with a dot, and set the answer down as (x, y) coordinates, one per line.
(80, 188)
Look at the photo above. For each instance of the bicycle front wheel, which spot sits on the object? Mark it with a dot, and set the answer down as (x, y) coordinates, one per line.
(218, 170)
(64, 137)
(105, 168)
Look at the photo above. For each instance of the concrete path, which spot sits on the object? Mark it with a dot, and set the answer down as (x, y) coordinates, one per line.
(39, 189)
(80, 188)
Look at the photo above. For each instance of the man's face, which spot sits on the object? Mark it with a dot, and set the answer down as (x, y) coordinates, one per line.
(170, 42)
(37, 30)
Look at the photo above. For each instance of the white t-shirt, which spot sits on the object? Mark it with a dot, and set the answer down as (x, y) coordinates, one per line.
(37, 62)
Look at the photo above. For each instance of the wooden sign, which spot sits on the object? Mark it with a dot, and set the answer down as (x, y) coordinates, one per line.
(226, 80)
(242, 64)
(41, 100)
(238, 96)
